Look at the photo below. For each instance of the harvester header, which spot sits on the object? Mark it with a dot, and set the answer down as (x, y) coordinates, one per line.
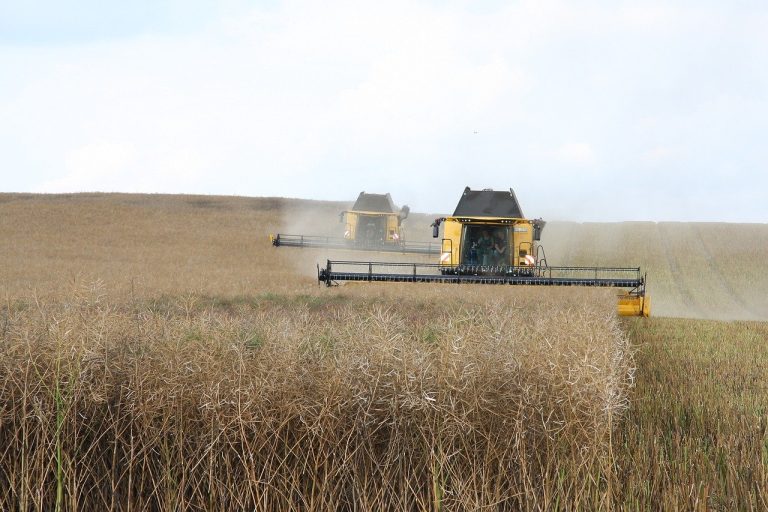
(489, 241)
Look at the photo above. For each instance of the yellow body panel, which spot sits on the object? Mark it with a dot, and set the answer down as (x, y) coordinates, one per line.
(519, 233)
(633, 305)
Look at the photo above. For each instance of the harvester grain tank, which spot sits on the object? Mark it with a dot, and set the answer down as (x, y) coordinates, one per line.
(373, 223)
(488, 240)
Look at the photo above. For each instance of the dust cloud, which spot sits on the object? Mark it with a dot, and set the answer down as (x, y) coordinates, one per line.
(322, 219)
(693, 270)
(715, 271)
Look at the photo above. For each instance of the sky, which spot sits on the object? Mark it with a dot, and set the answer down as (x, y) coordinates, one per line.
(591, 110)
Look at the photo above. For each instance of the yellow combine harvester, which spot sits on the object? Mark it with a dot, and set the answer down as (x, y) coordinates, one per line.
(374, 220)
(372, 224)
(488, 240)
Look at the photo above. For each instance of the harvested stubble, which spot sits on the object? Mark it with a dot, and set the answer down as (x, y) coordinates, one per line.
(318, 402)
(696, 434)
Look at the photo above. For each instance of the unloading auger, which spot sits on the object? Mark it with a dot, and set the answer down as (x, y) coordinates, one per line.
(489, 241)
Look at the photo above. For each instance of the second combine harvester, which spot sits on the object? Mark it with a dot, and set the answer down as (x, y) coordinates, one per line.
(488, 240)
(372, 224)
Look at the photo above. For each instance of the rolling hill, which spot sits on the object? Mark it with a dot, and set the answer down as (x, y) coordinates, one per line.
(216, 244)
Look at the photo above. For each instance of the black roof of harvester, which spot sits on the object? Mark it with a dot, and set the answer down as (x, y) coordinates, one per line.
(488, 203)
(381, 203)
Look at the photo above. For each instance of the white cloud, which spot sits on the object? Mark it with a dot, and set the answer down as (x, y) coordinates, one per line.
(112, 166)
(576, 153)
(97, 166)
(659, 154)
(325, 99)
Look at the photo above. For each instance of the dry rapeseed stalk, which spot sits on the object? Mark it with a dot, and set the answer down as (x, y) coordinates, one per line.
(303, 403)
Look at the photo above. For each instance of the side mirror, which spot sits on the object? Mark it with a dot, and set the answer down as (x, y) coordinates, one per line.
(436, 227)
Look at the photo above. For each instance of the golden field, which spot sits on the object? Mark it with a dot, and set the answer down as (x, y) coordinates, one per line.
(218, 245)
(158, 353)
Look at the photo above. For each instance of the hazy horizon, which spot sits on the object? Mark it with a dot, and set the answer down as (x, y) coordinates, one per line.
(350, 202)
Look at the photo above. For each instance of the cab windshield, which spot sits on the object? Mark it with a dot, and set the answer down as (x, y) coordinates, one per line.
(371, 230)
(485, 245)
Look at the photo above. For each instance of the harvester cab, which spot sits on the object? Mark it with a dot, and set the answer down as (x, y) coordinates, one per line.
(374, 220)
(488, 240)
(488, 233)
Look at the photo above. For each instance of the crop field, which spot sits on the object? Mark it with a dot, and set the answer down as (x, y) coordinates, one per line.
(158, 354)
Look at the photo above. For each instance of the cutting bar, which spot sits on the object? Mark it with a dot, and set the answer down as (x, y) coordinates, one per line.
(616, 277)
(330, 242)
